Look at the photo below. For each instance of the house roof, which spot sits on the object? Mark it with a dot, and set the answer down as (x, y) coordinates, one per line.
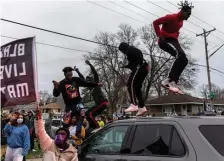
(181, 99)
(50, 106)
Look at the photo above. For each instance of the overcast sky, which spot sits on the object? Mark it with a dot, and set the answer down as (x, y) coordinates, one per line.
(84, 19)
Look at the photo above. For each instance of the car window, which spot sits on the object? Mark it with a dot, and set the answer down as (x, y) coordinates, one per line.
(214, 134)
(56, 123)
(157, 140)
(108, 142)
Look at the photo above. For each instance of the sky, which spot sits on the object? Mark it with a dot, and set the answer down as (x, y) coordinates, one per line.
(84, 19)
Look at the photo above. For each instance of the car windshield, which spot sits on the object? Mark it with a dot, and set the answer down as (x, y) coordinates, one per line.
(214, 135)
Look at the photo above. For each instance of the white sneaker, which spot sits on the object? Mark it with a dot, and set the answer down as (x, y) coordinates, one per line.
(165, 83)
(33, 150)
(174, 88)
(141, 111)
(131, 108)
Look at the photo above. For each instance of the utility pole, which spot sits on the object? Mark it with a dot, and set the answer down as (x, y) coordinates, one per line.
(205, 34)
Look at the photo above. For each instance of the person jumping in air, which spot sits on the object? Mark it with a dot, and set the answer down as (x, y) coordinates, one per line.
(69, 87)
(168, 41)
(98, 97)
(139, 68)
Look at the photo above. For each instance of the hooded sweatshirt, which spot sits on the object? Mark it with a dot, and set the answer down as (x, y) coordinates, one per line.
(171, 25)
(134, 55)
(49, 148)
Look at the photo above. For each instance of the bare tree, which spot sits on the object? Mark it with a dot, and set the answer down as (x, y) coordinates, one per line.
(107, 60)
(46, 97)
(219, 92)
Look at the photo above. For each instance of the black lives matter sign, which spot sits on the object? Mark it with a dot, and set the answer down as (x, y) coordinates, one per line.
(17, 72)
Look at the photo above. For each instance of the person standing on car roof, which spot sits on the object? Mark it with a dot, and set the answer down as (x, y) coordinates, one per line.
(139, 70)
(69, 87)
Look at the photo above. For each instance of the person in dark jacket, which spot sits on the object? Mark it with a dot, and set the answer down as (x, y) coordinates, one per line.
(168, 41)
(69, 87)
(30, 124)
(139, 68)
(99, 98)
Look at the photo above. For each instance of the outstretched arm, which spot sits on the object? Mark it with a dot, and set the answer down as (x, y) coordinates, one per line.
(96, 76)
(79, 74)
(45, 140)
(84, 83)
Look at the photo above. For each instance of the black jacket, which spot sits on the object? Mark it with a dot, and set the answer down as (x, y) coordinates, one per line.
(70, 90)
(134, 55)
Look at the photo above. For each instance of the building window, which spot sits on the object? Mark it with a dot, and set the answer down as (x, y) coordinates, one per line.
(189, 108)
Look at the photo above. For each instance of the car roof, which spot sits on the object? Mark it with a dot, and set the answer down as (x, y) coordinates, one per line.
(190, 119)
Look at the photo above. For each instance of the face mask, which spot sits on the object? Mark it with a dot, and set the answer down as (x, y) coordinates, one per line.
(59, 139)
(19, 121)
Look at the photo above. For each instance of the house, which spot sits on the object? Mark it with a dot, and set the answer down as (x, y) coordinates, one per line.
(51, 107)
(181, 104)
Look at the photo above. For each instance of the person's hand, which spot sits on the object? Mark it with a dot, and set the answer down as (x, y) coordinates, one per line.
(76, 69)
(87, 62)
(162, 40)
(56, 84)
(38, 114)
(100, 84)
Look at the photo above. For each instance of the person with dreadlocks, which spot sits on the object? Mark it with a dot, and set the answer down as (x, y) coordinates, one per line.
(139, 70)
(168, 41)
(98, 97)
(69, 87)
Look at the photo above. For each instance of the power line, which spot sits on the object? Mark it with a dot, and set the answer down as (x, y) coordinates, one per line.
(128, 9)
(201, 21)
(116, 12)
(158, 16)
(51, 45)
(58, 33)
(187, 21)
(93, 52)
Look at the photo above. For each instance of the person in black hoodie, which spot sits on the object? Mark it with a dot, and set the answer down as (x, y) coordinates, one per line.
(99, 98)
(139, 68)
(69, 87)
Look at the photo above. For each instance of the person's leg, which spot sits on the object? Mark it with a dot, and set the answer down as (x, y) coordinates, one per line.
(133, 107)
(18, 154)
(180, 63)
(67, 116)
(80, 112)
(31, 142)
(9, 154)
(130, 87)
(91, 119)
(139, 79)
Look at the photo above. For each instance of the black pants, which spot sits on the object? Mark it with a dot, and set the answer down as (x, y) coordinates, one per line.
(78, 111)
(173, 47)
(135, 82)
(31, 142)
(93, 112)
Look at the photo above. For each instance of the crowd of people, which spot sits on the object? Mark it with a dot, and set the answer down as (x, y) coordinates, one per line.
(20, 132)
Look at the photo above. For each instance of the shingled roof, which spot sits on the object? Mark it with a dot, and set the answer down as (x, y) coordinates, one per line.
(181, 99)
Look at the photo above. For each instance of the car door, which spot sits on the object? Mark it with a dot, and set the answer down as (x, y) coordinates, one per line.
(106, 144)
(159, 141)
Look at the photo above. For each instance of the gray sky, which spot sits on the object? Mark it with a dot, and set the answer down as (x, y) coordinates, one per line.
(84, 19)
